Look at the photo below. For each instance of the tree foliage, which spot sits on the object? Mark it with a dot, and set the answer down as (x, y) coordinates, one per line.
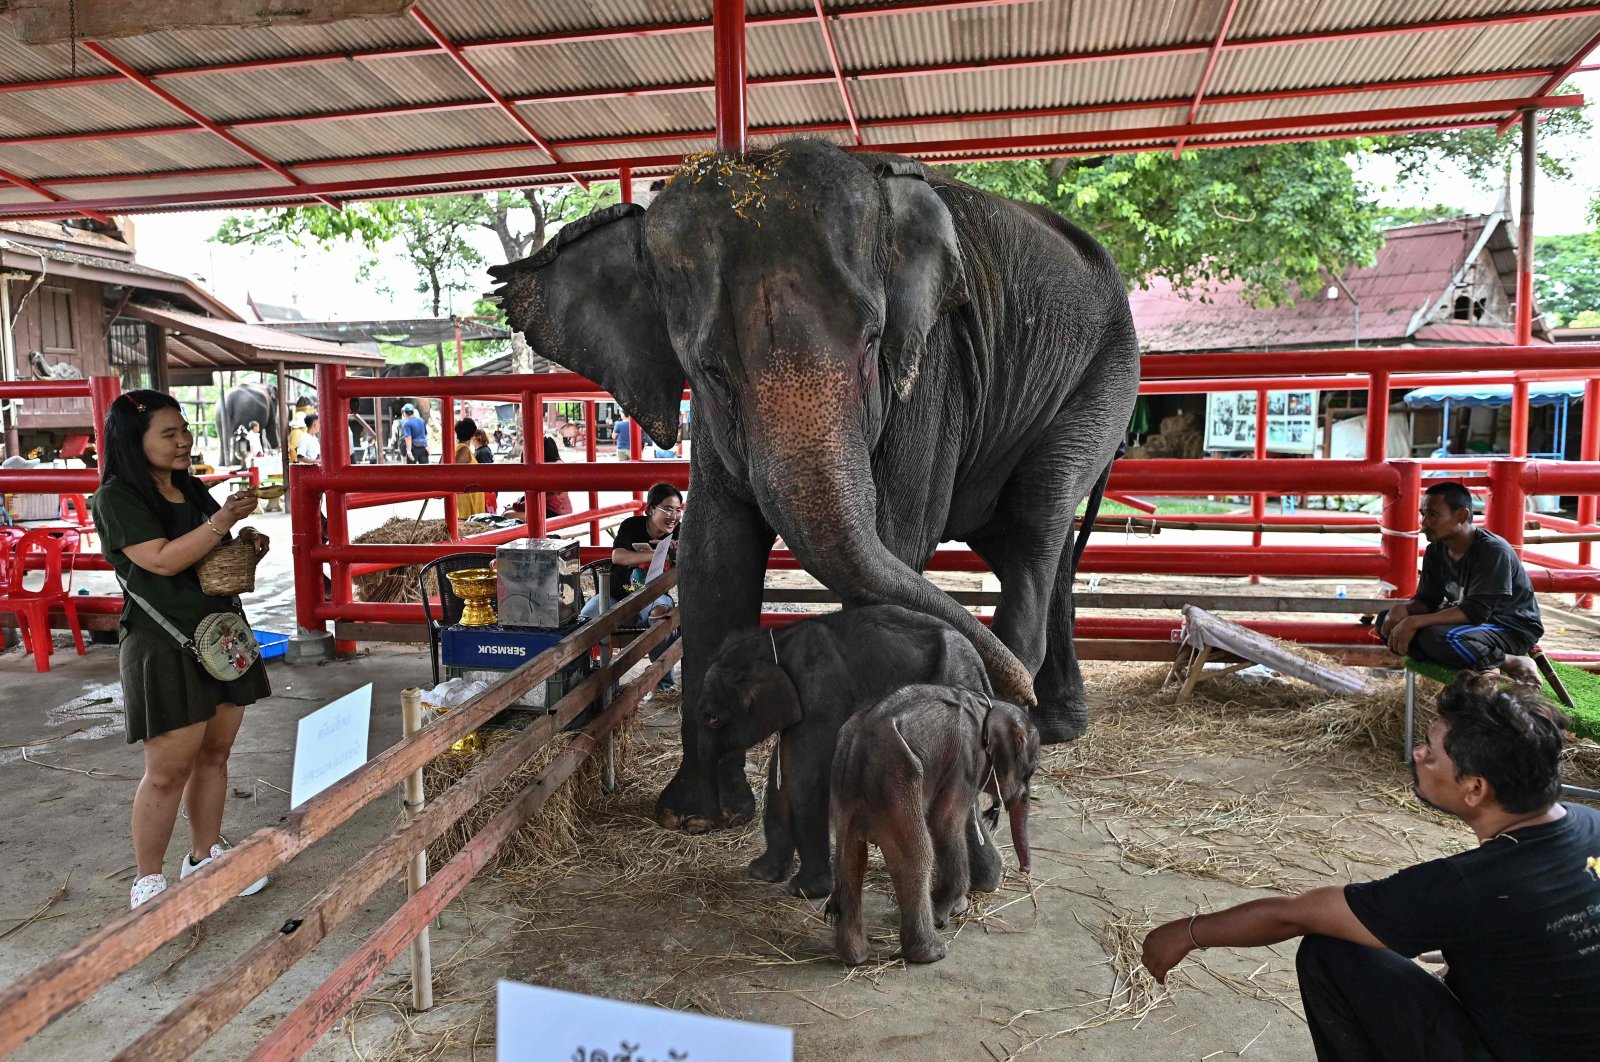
(434, 234)
(1272, 217)
(1484, 155)
(1566, 276)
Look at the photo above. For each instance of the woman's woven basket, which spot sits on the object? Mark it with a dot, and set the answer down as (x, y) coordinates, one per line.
(231, 568)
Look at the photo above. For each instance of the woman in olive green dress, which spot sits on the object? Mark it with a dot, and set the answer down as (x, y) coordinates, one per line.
(155, 522)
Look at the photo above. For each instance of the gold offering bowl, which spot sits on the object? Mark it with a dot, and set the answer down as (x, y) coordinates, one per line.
(477, 587)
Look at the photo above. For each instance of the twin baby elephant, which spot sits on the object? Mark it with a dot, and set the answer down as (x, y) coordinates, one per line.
(887, 728)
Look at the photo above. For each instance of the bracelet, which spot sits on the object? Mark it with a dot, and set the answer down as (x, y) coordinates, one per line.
(1195, 944)
(214, 529)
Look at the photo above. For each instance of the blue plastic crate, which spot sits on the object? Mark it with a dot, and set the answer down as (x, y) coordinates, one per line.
(273, 644)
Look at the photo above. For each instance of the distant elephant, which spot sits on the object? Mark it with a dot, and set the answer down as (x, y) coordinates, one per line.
(364, 408)
(882, 359)
(802, 683)
(241, 405)
(907, 776)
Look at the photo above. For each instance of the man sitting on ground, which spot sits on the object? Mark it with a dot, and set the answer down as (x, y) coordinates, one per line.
(1517, 918)
(1474, 607)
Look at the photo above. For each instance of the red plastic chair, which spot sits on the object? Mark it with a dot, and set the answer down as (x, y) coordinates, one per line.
(32, 607)
(75, 511)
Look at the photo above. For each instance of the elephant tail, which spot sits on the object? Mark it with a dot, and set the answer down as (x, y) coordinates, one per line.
(1092, 510)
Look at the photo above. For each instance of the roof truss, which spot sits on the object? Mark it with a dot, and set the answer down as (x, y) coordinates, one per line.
(1218, 36)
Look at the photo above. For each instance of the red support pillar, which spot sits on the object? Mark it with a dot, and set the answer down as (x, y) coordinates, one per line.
(1378, 416)
(1258, 502)
(447, 456)
(1507, 503)
(1401, 521)
(727, 29)
(1530, 152)
(1589, 450)
(534, 505)
(1519, 415)
(624, 184)
(103, 390)
(591, 410)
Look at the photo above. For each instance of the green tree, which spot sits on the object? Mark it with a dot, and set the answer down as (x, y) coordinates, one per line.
(1566, 274)
(1272, 217)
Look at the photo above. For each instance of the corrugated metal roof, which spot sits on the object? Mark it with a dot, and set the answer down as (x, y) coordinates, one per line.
(631, 79)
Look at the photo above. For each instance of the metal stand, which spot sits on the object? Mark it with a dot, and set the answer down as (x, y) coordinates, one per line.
(608, 781)
(1411, 715)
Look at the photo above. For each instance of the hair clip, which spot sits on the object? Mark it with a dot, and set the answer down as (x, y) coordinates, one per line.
(137, 404)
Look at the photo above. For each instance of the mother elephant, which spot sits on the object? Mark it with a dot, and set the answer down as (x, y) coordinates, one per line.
(882, 359)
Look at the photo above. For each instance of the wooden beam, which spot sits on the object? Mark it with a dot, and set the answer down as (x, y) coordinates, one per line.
(127, 294)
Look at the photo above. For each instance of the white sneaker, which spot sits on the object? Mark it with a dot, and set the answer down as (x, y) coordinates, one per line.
(189, 867)
(146, 887)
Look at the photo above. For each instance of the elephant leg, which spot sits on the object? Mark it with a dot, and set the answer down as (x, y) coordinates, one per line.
(850, 937)
(908, 851)
(1030, 545)
(984, 865)
(774, 863)
(948, 824)
(722, 558)
(807, 793)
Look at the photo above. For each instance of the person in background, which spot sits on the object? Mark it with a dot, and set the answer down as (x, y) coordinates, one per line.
(156, 522)
(1516, 919)
(1474, 606)
(556, 502)
(485, 456)
(633, 550)
(471, 503)
(308, 448)
(413, 436)
(623, 435)
(297, 428)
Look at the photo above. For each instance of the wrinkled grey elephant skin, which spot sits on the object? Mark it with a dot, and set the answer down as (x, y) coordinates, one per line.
(241, 405)
(906, 777)
(802, 683)
(882, 359)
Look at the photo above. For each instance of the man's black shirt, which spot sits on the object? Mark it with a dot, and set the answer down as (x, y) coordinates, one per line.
(1488, 583)
(1518, 921)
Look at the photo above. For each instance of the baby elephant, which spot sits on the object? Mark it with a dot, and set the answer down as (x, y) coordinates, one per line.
(804, 681)
(906, 777)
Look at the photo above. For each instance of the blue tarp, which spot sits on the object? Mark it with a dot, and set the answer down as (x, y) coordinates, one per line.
(1539, 394)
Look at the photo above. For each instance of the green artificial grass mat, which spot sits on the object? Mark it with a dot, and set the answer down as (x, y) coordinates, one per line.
(1583, 687)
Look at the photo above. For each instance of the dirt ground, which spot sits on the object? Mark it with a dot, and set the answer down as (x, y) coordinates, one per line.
(1160, 810)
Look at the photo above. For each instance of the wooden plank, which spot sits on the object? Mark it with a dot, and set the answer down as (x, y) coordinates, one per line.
(1204, 630)
(181, 1032)
(367, 631)
(76, 973)
(345, 986)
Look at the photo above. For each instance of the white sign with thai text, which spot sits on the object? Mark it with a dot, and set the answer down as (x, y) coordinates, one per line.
(331, 742)
(544, 1025)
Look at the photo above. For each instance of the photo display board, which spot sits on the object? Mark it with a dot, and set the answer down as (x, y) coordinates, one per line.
(1291, 421)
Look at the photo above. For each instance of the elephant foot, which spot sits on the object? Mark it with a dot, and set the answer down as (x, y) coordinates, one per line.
(1060, 723)
(852, 947)
(931, 949)
(943, 912)
(772, 866)
(683, 804)
(810, 885)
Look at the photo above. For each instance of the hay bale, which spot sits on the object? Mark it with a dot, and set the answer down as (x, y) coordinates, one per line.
(552, 832)
(398, 584)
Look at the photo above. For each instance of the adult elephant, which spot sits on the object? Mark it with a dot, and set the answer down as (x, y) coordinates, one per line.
(241, 405)
(882, 359)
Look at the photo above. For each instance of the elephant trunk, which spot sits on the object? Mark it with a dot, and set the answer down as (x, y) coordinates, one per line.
(1017, 812)
(822, 500)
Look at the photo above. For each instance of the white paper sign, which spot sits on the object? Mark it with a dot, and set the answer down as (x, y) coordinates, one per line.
(543, 1025)
(658, 559)
(332, 742)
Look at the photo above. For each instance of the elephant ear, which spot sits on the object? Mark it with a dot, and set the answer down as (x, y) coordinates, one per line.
(925, 276)
(774, 702)
(584, 301)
